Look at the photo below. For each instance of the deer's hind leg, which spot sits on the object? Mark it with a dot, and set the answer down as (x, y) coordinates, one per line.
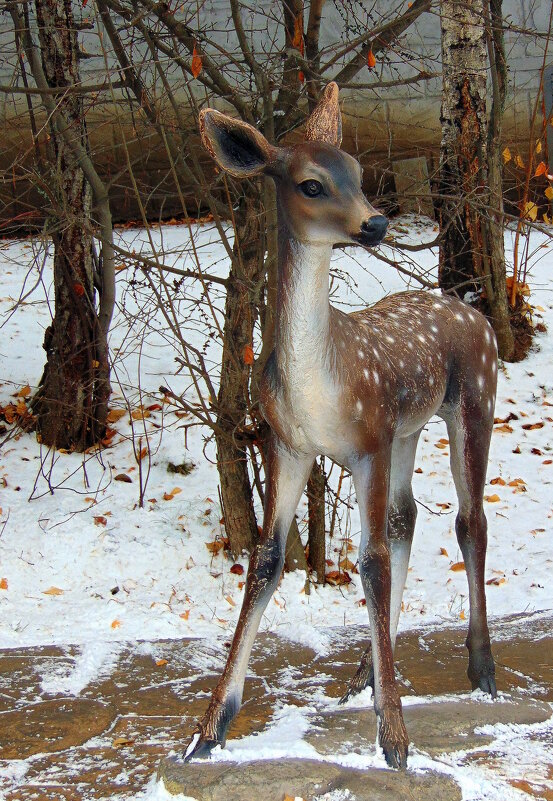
(470, 427)
(402, 515)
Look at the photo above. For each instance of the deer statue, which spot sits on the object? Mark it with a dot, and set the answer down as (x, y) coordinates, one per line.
(358, 388)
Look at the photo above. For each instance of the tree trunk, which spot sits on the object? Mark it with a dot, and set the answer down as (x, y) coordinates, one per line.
(317, 534)
(71, 403)
(470, 205)
(497, 297)
(233, 399)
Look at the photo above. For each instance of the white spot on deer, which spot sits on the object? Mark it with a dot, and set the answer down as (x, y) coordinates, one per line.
(376, 353)
(484, 358)
(480, 381)
(459, 317)
(390, 339)
(490, 404)
(410, 345)
(488, 335)
(434, 328)
(436, 305)
(421, 338)
(376, 377)
(401, 364)
(365, 372)
(359, 406)
(419, 368)
(494, 367)
(431, 380)
(360, 354)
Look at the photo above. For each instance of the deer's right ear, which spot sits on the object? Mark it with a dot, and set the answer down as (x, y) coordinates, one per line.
(236, 146)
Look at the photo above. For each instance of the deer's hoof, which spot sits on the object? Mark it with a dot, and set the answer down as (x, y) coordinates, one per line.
(393, 739)
(199, 748)
(481, 673)
(396, 756)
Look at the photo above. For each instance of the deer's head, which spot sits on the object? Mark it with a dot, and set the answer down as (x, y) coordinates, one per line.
(318, 186)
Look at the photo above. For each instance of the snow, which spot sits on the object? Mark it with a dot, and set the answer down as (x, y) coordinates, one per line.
(146, 574)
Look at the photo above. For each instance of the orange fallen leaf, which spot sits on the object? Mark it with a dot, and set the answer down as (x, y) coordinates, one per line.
(185, 615)
(443, 552)
(52, 591)
(161, 662)
(229, 600)
(532, 426)
(497, 581)
(371, 60)
(100, 520)
(492, 498)
(456, 567)
(24, 392)
(541, 169)
(517, 482)
(3, 584)
(116, 414)
(115, 624)
(237, 569)
(462, 615)
(498, 480)
(123, 477)
(346, 564)
(119, 742)
(504, 429)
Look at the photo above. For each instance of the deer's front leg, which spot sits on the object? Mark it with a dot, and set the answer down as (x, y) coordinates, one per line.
(287, 474)
(371, 477)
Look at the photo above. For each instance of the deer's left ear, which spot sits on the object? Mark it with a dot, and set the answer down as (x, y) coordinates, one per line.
(325, 122)
(236, 146)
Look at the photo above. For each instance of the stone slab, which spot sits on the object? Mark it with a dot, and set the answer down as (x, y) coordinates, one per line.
(51, 726)
(272, 780)
(436, 728)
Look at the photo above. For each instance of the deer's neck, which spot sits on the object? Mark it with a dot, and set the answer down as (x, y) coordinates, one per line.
(303, 311)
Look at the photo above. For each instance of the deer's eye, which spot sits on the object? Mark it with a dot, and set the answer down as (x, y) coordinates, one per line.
(311, 188)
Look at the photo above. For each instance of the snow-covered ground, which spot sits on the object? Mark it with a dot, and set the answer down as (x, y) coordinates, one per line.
(84, 564)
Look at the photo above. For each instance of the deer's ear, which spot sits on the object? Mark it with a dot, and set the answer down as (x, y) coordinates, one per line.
(236, 146)
(325, 122)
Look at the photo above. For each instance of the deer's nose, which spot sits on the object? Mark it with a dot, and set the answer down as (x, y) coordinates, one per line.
(374, 229)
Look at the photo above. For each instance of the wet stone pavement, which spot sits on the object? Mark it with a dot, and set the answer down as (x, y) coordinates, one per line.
(108, 740)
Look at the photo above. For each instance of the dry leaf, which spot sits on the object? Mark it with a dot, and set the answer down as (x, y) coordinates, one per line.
(492, 498)
(371, 60)
(440, 445)
(538, 146)
(115, 624)
(100, 520)
(119, 742)
(115, 415)
(443, 552)
(247, 354)
(519, 162)
(214, 547)
(498, 480)
(161, 662)
(196, 63)
(457, 567)
(549, 193)
(24, 392)
(335, 577)
(529, 210)
(541, 169)
(532, 426)
(497, 581)
(507, 155)
(237, 569)
(3, 584)
(123, 477)
(229, 600)
(297, 39)
(517, 482)
(52, 591)
(444, 505)
(504, 429)
(185, 615)
(347, 564)
(462, 615)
